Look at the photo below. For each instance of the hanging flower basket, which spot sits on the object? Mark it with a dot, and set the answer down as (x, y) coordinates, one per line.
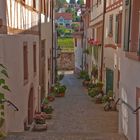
(94, 43)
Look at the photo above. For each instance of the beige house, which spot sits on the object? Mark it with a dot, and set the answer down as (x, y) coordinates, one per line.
(112, 46)
(25, 49)
(95, 33)
(129, 70)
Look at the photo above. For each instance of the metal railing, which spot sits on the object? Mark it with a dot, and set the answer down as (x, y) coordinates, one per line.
(9, 103)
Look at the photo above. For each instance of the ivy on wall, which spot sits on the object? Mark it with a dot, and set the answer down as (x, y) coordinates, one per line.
(3, 88)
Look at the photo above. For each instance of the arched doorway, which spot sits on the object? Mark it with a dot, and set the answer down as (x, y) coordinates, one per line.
(30, 106)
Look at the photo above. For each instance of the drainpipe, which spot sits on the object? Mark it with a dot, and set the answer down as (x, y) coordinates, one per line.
(139, 36)
(40, 86)
(52, 72)
(102, 49)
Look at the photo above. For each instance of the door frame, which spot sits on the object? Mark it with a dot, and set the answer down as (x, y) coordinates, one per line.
(108, 69)
(137, 114)
(31, 105)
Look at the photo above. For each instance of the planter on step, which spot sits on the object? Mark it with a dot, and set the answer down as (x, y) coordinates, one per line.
(40, 127)
(60, 94)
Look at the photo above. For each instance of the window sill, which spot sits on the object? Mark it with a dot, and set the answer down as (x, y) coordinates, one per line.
(132, 55)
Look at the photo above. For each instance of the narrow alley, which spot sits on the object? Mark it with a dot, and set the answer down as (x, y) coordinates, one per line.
(76, 117)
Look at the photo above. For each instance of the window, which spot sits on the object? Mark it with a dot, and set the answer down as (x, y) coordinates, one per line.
(93, 33)
(43, 6)
(25, 61)
(110, 33)
(127, 26)
(118, 29)
(75, 42)
(34, 3)
(43, 48)
(34, 58)
(49, 64)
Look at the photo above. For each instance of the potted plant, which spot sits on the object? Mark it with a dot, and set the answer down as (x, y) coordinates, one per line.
(93, 92)
(94, 71)
(86, 80)
(48, 110)
(86, 51)
(51, 97)
(40, 123)
(61, 91)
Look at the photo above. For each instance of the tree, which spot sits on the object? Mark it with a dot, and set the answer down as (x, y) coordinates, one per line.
(80, 2)
(60, 4)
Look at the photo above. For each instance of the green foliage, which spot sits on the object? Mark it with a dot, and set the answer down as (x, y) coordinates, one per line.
(2, 134)
(59, 88)
(83, 74)
(75, 26)
(93, 92)
(80, 2)
(87, 78)
(60, 77)
(1, 121)
(86, 51)
(60, 4)
(95, 89)
(45, 101)
(94, 71)
(65, 43)
(48, 110)
(100, 84)
(106, 97)
(3, 87)
(64, 32)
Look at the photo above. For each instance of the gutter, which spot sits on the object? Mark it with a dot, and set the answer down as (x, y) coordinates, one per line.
(102, 49)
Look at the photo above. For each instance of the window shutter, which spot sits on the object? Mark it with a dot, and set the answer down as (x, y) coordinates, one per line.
(127, 24)
(117, 29)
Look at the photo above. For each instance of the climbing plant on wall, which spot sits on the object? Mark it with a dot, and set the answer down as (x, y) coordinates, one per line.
(3, 88)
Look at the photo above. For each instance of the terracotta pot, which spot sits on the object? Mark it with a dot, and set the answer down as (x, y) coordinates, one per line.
(40, 127)
(60, 95)
(51, 98)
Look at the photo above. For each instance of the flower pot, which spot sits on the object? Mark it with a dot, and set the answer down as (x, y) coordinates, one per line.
(51, 98)
(40, 127)
(49, 116)
(60, 94)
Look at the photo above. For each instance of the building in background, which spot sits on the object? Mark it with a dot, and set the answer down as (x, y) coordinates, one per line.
(64, 19)
(26, 50)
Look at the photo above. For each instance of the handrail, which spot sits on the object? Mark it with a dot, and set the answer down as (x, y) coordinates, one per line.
(10, 103)
(134, 111)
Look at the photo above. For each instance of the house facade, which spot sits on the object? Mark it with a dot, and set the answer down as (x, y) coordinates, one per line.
(112, 46)
(129, 68)
(95, 34)
(25, 48)
(64, 19)
(78, 51)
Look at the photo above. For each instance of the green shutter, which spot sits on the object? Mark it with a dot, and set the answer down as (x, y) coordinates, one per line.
(117, 29)
(127, 25)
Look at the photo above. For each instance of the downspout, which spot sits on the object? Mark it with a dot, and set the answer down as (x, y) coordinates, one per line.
(52, 72)
(102, 48)
(40, 87)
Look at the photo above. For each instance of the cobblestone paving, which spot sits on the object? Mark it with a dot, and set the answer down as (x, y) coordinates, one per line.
(76, 117)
